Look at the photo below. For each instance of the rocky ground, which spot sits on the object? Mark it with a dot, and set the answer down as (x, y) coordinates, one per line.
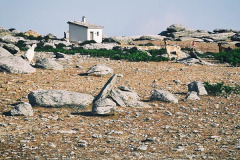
(204, 129)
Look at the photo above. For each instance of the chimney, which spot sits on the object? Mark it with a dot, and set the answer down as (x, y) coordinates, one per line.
(84, 19)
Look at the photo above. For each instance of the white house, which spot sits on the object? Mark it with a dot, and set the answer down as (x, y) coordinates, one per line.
(82, 31)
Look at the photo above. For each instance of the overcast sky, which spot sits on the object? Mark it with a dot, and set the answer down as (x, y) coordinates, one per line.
(119, 17)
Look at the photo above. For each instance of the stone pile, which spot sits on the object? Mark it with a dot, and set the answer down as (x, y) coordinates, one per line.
(107, 99)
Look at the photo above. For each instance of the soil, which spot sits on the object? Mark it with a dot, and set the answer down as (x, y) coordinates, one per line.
(204, 129)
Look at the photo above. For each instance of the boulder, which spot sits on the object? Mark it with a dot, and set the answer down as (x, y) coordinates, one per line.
(103, 106)
(59, 98)
(4, 52)
(11, 48)
(192, 96)
(221, 30)
(178, 28)
(61, 55)
(122, 95)
(236, 37)
(48, 63)
(22, 109)
(161, 95)
(99, 70)
(14, 64)
(198, 87)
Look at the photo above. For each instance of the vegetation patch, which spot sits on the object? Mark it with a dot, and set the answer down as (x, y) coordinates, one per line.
(221, 89)
(232, 57)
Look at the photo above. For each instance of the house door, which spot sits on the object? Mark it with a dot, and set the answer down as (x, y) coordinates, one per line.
(91, 36)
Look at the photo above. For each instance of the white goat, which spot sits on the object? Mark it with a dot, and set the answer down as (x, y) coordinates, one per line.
(30, 53)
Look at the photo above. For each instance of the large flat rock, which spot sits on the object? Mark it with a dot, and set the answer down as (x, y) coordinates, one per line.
(14, 64)
(59, 98)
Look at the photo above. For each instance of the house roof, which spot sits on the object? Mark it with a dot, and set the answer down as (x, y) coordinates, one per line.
(87, 25)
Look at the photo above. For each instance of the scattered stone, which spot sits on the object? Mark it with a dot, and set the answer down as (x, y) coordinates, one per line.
(66, 131)
(47, 63)
(14, 64)
(82, 143)
(200, 148)
(168, 113)
(97, 136)
(179, 149)
(161, 95)
(59, 98)
(142, 147)
(22, 109)
(198, 87)
(99, 70)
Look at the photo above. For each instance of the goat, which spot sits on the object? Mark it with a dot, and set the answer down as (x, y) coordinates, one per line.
(29, 55)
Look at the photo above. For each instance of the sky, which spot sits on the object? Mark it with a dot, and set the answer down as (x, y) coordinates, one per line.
(119, 17)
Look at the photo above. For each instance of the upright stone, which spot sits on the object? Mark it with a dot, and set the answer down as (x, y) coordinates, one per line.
(198, 87)
(107, 88)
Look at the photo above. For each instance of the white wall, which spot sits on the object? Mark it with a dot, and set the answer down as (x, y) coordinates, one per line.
(77, 33)
(97, 38)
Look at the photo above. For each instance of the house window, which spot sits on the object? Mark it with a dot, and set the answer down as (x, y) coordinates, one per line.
(97, 33)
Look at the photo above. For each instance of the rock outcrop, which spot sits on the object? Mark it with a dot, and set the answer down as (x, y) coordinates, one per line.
(11, 48)
(14, 64)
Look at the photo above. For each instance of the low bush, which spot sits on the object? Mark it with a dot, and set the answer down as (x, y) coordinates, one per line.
(21, 45)
(232, 57)
(60, 45)
(87, 42)
(220, 89)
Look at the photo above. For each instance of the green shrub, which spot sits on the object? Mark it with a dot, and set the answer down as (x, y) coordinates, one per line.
(60, 45)
(11, 29)
(21, 45)
(87, 42)
(232, 57)
(220, 88)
